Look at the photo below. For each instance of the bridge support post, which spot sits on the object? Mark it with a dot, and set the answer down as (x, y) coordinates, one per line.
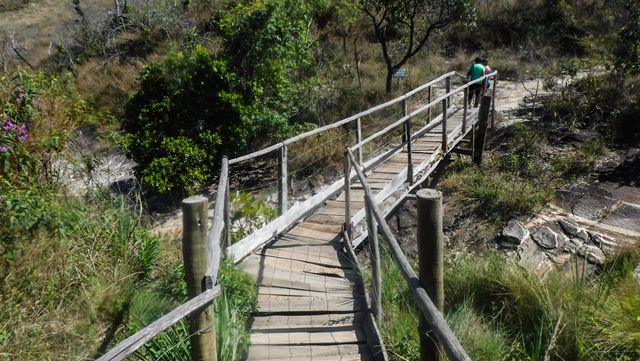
(431, 273)
(195, 251)
(283, 199)
(445, 136)
(407, 139)
(493, 103)
(359, 138)
(448, 89)
(227, 218)
(429, 101)
(464, 110)
(347, 194)
(483, 122)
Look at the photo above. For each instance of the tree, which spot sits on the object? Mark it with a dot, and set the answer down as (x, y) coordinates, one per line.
(185, 114)
(409, 24)
(627, 52)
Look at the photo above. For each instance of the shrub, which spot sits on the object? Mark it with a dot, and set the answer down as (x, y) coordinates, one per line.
(184, 114)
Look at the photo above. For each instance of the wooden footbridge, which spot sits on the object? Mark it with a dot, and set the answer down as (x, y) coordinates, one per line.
(312, 303)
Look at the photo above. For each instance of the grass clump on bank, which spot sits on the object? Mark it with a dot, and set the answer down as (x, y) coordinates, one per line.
(500, 311)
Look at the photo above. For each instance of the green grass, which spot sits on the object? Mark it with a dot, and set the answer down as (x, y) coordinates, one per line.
(500, 311)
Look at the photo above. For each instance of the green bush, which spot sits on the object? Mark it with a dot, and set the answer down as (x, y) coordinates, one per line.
(184, 114)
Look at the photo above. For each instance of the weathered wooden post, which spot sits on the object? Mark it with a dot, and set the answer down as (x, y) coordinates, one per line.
(407, 132)
(376, 272)
(429, 101)
(195, 252)
(483, 122)
(464, 110)
(431, 273)
(347, 193)
(448, 90)
(359, 138)
(283, 198)
(445, 136)
(493, 103)
(227, 212)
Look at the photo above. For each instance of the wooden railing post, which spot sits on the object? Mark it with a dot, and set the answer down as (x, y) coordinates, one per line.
(227, 218)
(448, 89)
(283, 199)
(195, 252)
(493, 103)
(431, 274)
(483, 122)
(464, 111)
(359, 138)
(347, 194)
(407, 137)
(429, 101)
(445, 136)
(376, 272)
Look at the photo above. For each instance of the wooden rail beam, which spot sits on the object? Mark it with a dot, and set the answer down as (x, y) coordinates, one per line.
(450, 343)
(134, 342)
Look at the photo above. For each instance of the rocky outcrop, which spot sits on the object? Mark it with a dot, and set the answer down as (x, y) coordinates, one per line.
(515, 233)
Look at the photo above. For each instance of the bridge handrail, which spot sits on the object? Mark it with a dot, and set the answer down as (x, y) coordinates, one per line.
(432, 315)
(339, 123)
(211, 289)
(421, 110)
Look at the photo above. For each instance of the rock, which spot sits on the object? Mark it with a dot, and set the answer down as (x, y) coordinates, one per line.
(515, 232)
(571, 228)
(636, 272)
(606, 244)
(545, 237)
(633, 152)
(573, 245)
(593, 254)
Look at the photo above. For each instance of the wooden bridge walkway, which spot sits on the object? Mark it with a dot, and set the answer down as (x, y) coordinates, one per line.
(312, 304)
(309, 305)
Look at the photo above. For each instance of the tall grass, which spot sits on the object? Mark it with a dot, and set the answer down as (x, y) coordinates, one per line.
(500, 311)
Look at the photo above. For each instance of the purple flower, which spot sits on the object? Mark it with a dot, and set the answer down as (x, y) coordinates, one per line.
(8, 126)
(4, 148)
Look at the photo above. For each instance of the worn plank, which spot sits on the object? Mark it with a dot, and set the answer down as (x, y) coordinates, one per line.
(300, 266)
(295, 253)
(278, 304)
(308, 337)
(262, 352)
(320, 321)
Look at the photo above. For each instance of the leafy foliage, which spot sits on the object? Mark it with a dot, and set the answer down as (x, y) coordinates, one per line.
(628, 47)
(185, 113)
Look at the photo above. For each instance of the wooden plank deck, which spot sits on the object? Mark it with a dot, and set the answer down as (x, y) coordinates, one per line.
(309, 308)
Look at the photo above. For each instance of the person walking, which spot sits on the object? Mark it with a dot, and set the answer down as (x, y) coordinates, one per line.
(475, 72)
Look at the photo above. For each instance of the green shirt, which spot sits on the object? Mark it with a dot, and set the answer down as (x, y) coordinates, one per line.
(476, 71)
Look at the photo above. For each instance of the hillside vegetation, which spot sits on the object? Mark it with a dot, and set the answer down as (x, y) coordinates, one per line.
(178, 84)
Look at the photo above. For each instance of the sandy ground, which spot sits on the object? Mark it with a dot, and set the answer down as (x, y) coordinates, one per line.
(40, 26)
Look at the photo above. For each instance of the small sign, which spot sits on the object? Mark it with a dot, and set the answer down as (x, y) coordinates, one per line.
(400, 73)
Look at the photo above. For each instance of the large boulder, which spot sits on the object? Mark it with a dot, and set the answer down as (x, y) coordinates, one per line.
(515, 232)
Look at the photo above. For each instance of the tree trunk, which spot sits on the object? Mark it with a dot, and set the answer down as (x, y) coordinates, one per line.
(389, 80)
